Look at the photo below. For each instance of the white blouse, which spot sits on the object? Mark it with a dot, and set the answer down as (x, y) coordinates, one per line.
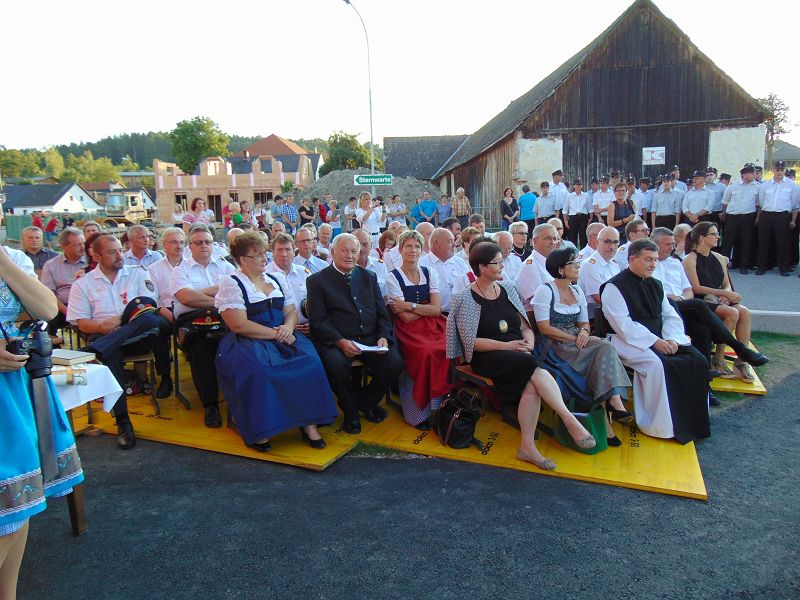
(229, 296)
(394, 291)
(541, 303)
(372, 222)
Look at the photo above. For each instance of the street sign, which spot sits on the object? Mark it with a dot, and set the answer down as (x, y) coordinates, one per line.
(376, 179)
(656, 155)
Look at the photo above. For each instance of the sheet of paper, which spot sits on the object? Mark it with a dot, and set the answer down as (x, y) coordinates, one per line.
(364, 348)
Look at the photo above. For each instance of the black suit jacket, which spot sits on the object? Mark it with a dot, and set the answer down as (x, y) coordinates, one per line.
(346, 308)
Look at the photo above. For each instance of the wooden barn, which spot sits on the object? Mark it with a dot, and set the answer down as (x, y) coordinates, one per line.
(642, 83)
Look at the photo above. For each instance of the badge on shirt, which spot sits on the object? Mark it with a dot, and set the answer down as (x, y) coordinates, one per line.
(124, 296)
(149, 285)
(529, 261)
(592, 261)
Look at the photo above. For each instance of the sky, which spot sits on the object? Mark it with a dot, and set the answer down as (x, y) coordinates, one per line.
(86, 69)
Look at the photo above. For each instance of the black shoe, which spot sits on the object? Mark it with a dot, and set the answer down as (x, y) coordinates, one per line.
(126, 438)
(785, 273)
(760, 272)
(317, 444)
(713, 374)
(164, 388)
(753, 358)
(261, 446)
(424, 426)
(375, 414)
(352, 427)
(620, 416)
(213, 418)
(713, 400)
(743, 270)
(613, 442)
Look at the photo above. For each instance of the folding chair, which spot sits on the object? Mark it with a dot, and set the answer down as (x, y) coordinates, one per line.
(150, 359)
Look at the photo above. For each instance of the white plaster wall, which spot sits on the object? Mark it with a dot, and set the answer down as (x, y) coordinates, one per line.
(730, 149)
(536, 160)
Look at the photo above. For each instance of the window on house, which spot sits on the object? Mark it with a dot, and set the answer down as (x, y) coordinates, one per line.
(214, 202)
(234, 195)
(181, 199)
(262, 196)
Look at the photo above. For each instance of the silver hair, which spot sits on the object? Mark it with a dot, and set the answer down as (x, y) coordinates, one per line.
(518, 225)
(31, 228)
(660, 232)
(346, 237)
(66, 233)
(541, 228)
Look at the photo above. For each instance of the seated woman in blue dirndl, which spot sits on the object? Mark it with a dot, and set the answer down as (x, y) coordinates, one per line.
(38, 458)
(270, 375)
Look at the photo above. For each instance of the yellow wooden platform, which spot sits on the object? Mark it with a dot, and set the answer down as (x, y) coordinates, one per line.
(642, 462)
(737, 386)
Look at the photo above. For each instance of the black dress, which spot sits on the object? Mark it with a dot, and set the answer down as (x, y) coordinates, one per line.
(306, 215)
(510, 370)
(709, 272)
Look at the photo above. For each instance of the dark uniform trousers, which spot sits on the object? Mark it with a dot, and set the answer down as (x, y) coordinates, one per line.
(577, 229)
(774, 226)
(113, 347)
(201, 353)
(737, 243)
(703, 326)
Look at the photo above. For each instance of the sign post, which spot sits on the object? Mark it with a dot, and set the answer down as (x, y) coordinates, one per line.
(376, 179)
(654, 156)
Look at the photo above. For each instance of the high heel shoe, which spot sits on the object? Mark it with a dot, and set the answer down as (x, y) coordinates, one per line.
(261, 446)
(620, 416)
(613, 442)
(316, 444)
(545, 465)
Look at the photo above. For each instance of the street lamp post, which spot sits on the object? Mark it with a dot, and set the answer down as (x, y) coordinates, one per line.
(369, 80)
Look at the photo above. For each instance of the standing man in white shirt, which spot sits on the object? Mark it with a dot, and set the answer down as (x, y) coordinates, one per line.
(533, 272)
(559, 191)
(305, 252)
(602, 198)
(195, 283)
(698, 201)
(577, 208)
(600, 266)
(779, 199)
(282, 262)
(448, 267)
(739, 204)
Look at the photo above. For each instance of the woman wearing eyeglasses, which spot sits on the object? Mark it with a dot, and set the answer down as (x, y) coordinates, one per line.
(707, 272)
(262, 359)
(561, 314)
(487, 325)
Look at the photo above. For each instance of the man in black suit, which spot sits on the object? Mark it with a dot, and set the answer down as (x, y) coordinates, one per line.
(345, 305)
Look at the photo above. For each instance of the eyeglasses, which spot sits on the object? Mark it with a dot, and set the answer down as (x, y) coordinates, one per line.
(645, 230)
(173, 242)
(610, 242)
(202, 243)
(549, 239)
(571, 263)
(496, 263)
(715, 234)
(256, 256)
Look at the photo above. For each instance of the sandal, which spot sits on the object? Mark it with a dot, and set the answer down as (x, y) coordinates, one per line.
(725, 371)
(744, 372)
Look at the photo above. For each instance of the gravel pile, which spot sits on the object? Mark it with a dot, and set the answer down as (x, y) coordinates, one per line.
(339, 184)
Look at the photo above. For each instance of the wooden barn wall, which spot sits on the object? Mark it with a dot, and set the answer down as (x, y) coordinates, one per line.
(643, 86)
(484, 177)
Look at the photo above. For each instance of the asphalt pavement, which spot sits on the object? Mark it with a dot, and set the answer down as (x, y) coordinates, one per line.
(171, 522)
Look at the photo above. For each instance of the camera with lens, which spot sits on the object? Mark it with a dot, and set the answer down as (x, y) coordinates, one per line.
(36, 344)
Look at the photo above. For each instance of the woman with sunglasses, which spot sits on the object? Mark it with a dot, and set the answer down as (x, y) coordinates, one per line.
(261, 359)
(561, 313)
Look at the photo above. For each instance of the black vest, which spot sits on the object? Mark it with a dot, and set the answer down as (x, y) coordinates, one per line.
(643, 297)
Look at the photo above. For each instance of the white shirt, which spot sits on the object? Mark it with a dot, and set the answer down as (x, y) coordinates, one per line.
(377, 267)
(315, 264)
(229, 296)
(602, 199)
(93, 296)
(672, 276)
(621, 257)
(150, 257)
(218, 250)
(695, 201)
(22, 260)
(636, 334)
(575, 204)
(584, 254)
(209, 215)
(395, 292)
(530, 276)
(392, 259)
(448, 273)
(161, 273)
(541, 303)
(740, 198)
(511, 266)
(372, 222)
(595, 271)
(559, 193)
(296, 282)
(780, 196)
(192, 275)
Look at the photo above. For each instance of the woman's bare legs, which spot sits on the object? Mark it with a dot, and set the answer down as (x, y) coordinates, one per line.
(528, 416)
(729, 316)
(549, 391)
(743, 324)
(12, 547)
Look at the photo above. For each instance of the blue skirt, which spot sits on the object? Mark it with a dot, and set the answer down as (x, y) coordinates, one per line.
(22, 488)
(269, 391)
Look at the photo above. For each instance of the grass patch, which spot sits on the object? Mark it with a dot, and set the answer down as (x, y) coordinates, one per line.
(364, 450)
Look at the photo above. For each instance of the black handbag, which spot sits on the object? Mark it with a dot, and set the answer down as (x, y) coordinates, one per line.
(456, 420)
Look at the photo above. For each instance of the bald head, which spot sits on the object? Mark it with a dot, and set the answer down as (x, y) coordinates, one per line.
(592, 231)
(233, 234)
(442, 243)
(425, 230)
(505, 241)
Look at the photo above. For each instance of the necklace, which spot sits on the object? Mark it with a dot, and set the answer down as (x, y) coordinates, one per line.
(502, 325)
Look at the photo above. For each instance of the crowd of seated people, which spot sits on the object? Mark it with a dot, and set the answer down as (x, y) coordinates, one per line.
(307, 306)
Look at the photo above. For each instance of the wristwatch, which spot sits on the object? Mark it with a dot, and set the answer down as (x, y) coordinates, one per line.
(413, 306)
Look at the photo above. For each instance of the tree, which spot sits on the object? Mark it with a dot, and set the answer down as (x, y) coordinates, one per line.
(194, 140)
(20, 163)
(776, 122)
(53, 163)
(88, 168)
(346, 153)
(127, 164)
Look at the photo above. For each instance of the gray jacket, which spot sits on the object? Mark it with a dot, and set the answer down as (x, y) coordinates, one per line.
(465, 314)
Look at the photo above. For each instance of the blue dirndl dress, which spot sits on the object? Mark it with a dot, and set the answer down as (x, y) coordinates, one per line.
(272, 387)
(27, 477)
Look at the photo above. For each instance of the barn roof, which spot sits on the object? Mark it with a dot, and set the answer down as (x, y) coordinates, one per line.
(507, 121)
(419, 157)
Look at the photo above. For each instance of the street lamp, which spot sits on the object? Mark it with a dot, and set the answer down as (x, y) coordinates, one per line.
(369, 80)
